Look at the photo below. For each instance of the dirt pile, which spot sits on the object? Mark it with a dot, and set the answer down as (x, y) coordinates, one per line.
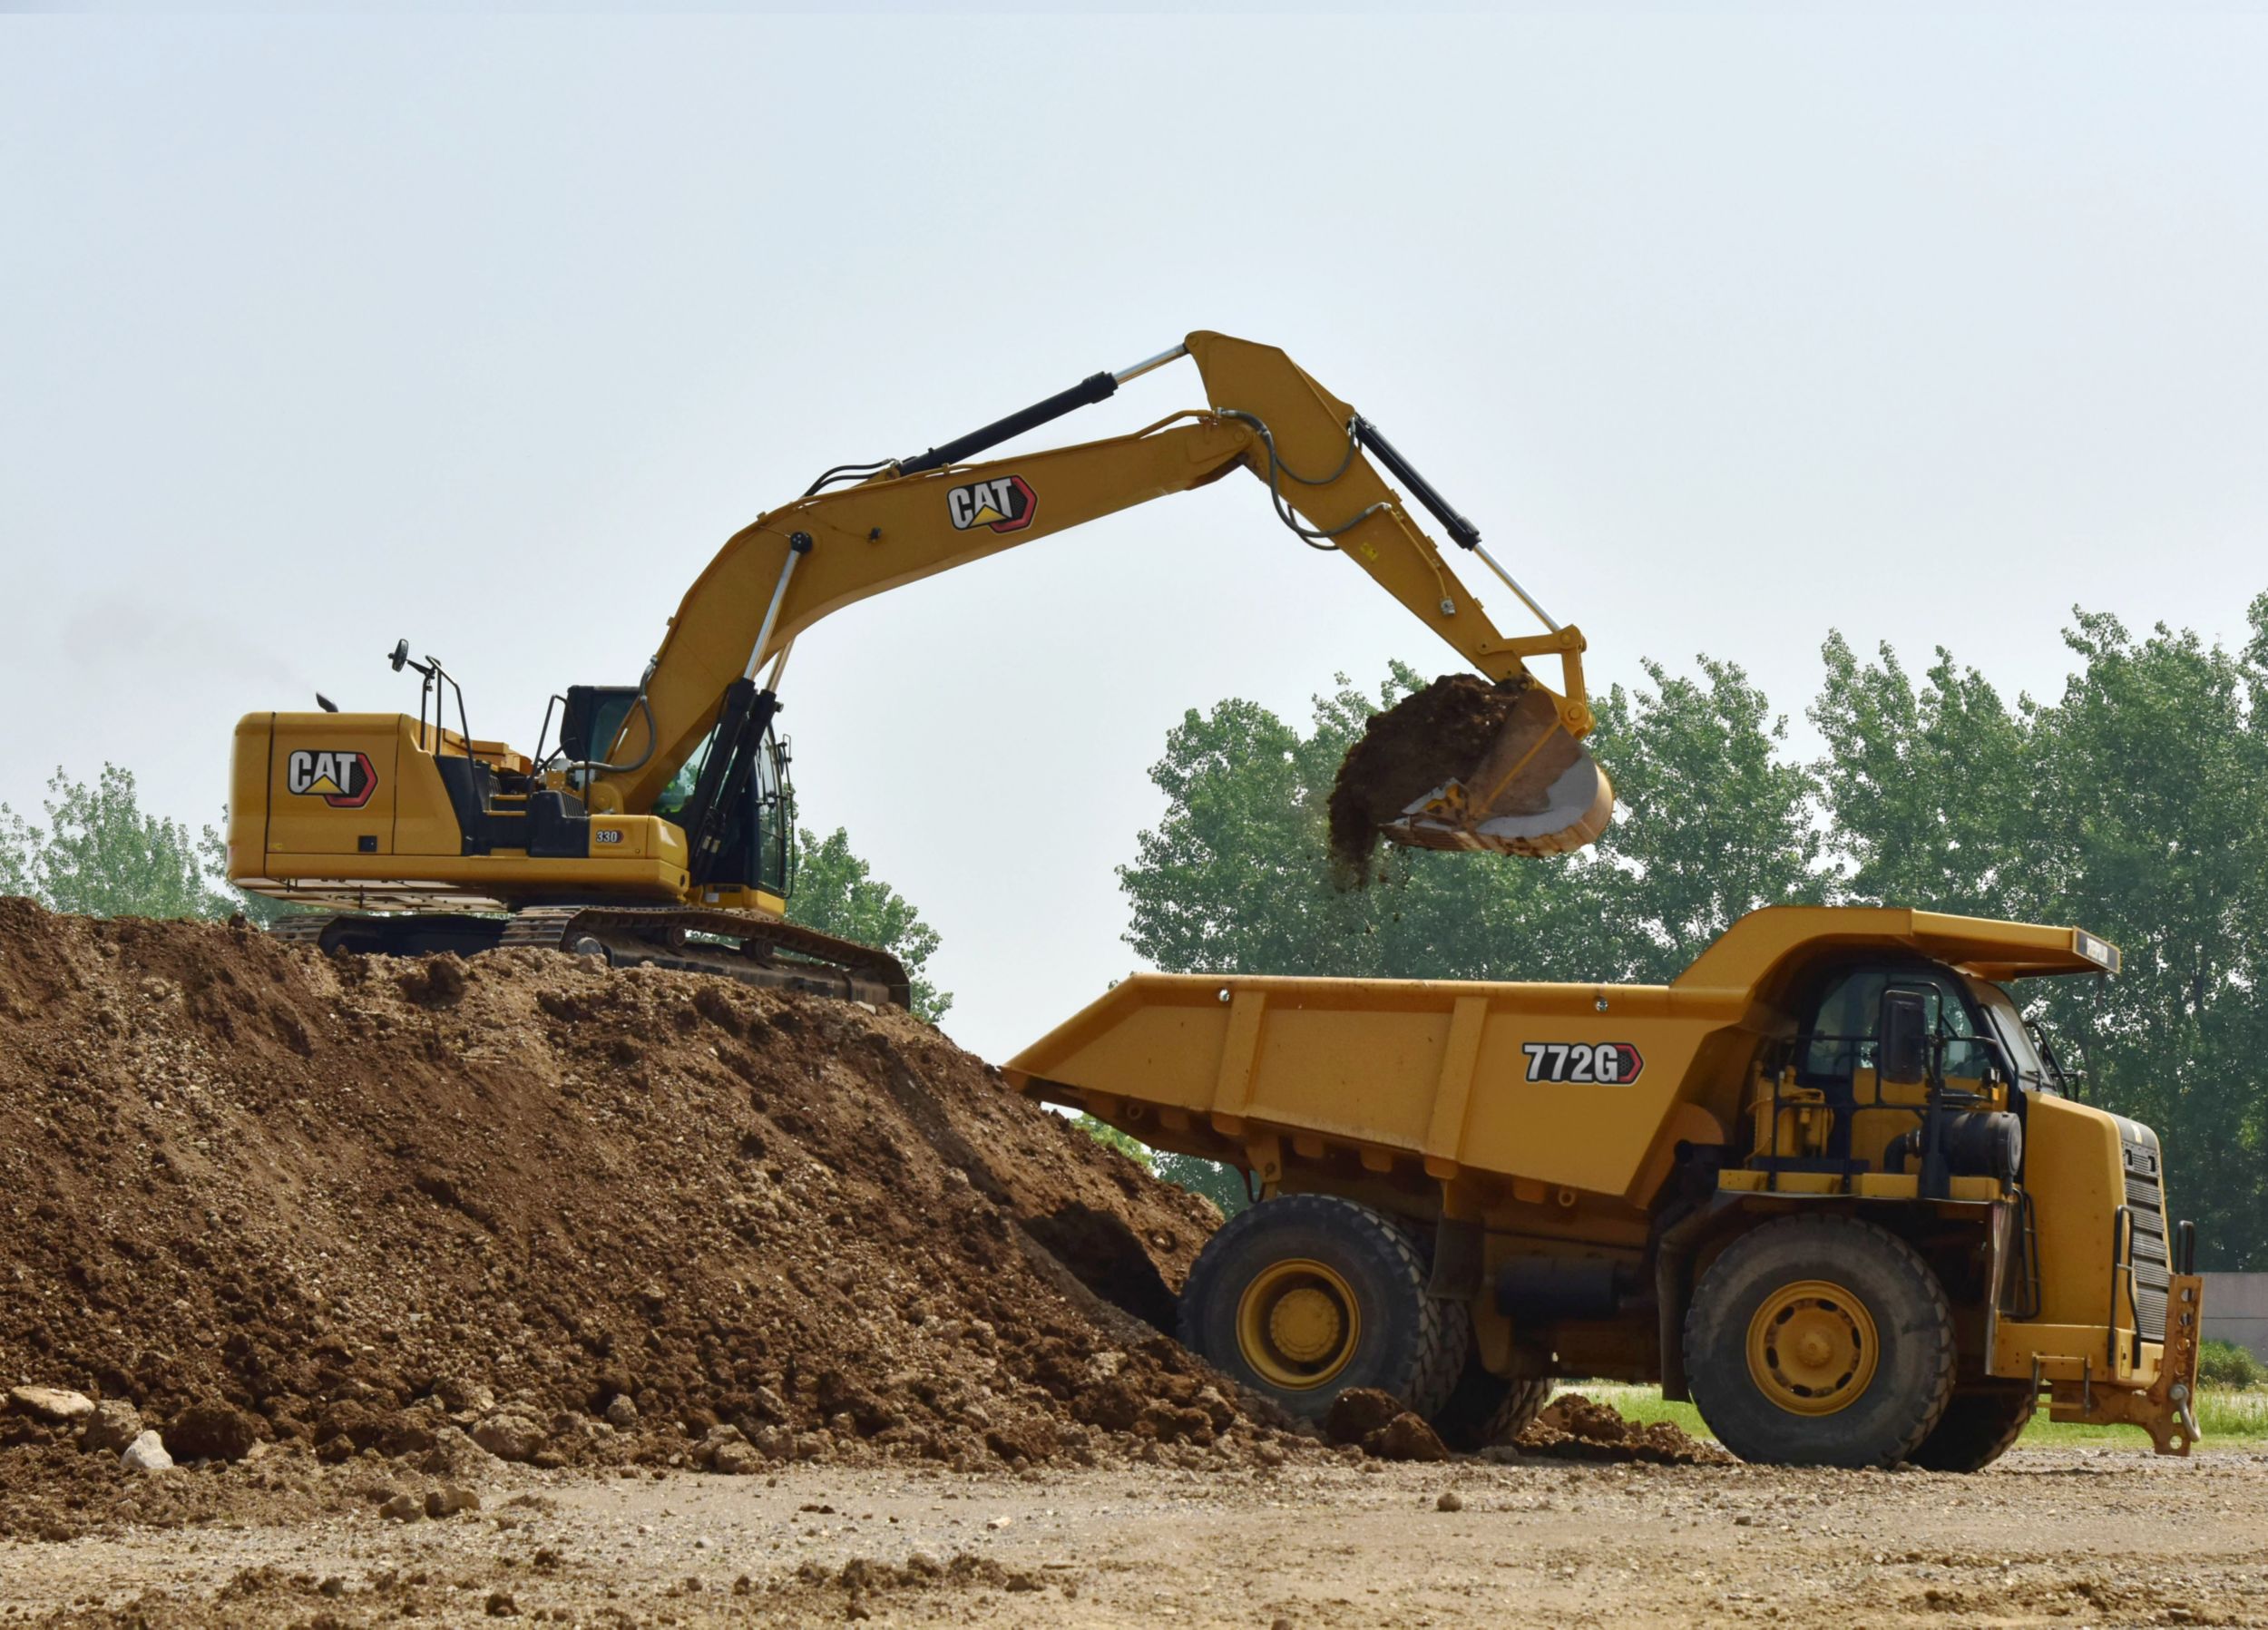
(572, 1216)
(1377, 1423)
(1575, 1428)
(1431, 737)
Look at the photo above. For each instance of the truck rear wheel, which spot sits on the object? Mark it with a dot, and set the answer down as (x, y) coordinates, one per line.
(1304, 1296)
(1486, 1409)
(1977, 1429)
(1820, 1341)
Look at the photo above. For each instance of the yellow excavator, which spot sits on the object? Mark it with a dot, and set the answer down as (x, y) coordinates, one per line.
(659, 828)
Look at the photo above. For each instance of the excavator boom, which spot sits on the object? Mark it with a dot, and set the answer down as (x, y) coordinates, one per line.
(1533, 790)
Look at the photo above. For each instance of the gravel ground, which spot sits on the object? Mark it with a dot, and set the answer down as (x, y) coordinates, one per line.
(2086, 1537)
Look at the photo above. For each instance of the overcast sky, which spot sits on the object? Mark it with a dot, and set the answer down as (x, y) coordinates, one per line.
(1727, 333)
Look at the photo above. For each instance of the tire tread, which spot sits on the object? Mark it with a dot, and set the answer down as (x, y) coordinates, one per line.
(1971, 1439)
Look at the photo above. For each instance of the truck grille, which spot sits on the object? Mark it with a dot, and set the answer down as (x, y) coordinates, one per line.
(2146, 1201)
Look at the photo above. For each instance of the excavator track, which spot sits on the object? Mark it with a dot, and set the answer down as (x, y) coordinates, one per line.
(755, 950)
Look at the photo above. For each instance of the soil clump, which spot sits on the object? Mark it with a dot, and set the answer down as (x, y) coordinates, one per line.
(1572, 1427)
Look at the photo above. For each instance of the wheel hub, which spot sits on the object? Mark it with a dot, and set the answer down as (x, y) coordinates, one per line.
(1304, 1325)
(1297, 1324)
(1812, 1348)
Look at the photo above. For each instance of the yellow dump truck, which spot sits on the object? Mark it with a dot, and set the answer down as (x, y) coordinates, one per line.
(1827, 1183)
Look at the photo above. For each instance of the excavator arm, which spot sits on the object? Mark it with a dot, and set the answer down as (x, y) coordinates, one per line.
(914, 517)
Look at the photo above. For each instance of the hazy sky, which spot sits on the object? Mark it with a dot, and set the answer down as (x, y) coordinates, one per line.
(314, 334)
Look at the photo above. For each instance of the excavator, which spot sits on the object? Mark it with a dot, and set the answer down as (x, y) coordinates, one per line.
(657, 828)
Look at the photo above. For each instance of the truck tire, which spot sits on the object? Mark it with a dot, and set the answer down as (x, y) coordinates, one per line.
(1977, 1428)
(1304, 1296)
(1485, 1410)
(1820, 1341)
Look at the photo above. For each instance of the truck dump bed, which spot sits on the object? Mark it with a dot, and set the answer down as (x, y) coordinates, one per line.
(1585, 1086)
(1506, 1079)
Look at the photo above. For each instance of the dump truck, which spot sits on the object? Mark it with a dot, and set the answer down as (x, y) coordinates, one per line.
(1828, 1183)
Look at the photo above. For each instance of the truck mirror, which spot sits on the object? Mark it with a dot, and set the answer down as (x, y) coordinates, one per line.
(1903, 1037)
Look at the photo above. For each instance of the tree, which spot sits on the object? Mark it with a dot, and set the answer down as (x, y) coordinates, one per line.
(837, 894)
(1712, 821)
(2151, 833)
(1928, 793)
(101, 856)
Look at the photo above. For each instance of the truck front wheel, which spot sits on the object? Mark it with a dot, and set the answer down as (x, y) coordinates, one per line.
(1820, 1341)
(1304, 1296)
(1977, 1428)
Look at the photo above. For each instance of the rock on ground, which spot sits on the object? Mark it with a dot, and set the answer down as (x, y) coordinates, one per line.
(114, 1424)
(146, 1453)
(54, 1405)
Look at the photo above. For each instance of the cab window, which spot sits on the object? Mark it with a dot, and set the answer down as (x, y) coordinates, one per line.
(1840, 1039)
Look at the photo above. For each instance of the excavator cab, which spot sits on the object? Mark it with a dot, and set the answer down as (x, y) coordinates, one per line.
(759, 851)
(757, 816)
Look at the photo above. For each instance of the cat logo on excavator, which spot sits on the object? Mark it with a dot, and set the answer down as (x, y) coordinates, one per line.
(1006, 504)
(342, 780)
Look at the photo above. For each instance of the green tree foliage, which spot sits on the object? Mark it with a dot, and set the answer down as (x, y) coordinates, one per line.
(1712, 821)
(837, 894)
(102, 856)
(2130, 804)
(1921, 786)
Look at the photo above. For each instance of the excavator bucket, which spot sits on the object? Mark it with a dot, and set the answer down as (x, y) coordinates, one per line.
(1467, 765)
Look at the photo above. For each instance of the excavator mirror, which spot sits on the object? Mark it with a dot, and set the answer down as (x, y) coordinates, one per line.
(400, 655)
(1903, 1038)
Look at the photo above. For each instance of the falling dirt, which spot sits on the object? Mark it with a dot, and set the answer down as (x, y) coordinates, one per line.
(1432, 736)
(580, 1217)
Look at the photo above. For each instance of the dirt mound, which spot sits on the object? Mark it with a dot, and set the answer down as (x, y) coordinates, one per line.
(571, 1214)
(1427, 738)
(1575, 1428)
(1377, 1423)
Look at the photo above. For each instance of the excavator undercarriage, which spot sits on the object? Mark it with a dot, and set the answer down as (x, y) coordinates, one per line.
(741, 945)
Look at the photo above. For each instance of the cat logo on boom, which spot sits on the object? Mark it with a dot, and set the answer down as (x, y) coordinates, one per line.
(1006, 504)
(342, 780)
